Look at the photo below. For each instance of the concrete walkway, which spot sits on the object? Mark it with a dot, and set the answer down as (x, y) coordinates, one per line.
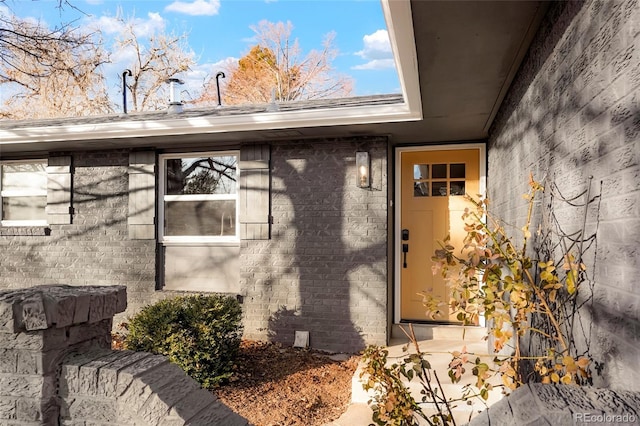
(439, 347)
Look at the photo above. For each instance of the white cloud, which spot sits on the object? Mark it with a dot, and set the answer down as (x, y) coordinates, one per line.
(377, 52)
(94, 2)
(195, 8)
(201, 73)
(143, 27)
(376, 64)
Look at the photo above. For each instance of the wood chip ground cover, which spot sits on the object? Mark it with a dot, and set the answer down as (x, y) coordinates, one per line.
(283, 386)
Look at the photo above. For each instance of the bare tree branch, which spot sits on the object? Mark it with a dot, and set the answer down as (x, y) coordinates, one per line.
(276, 64)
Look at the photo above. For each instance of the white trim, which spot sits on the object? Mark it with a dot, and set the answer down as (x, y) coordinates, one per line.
(200, 197)
(194, 240)
(203, 243)
(23, 223)
(398, 204)
(399, 21)
(24, 193)
(213, 124)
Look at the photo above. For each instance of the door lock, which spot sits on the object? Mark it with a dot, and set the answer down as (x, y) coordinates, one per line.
(405, 247)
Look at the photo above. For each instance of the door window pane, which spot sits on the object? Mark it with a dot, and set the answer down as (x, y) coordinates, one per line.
(439, 171)
(456, 188)
(444, 180)
(420, 171)
(200, 218)
(420, 189)
(457, 171)
(439, 189)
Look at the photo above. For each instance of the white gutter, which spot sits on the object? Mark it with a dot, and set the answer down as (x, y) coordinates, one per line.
(210, 124)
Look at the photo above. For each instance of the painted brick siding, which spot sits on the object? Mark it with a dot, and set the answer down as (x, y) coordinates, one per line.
(573, 112)
(95, 249)
(325, 268)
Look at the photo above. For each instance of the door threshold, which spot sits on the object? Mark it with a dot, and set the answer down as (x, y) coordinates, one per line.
(435, 331)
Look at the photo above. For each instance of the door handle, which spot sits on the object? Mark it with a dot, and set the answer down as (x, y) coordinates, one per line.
(405, 247)
(405, 250)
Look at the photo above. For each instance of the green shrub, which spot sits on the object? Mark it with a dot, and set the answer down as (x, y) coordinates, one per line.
(201, 334)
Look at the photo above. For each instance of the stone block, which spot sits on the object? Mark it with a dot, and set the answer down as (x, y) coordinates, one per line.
(629, 399)
(110, 301)
(121, 299)
(27, 362)
(7, 407)
(29, 386)
(70, 370)
(61, 309)
(108, 374)
(159, 404)
(139, 366)
(7, 322)
(523, 408)
(8, 360)
(96, 308)
(88, 373)
(36, 409)
(32, 313)
(93, 409)
(89, 331)
(82, 305)
(144, 386)
(191, 404)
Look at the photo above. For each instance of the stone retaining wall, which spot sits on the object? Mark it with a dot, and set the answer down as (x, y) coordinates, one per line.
(57, 368)
(563, 405)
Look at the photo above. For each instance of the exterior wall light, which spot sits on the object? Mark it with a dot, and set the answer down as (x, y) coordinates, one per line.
(363, 170)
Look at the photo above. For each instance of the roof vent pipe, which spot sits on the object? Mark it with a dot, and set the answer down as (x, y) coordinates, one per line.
(175, 104)
(220, 74)
(125, 73)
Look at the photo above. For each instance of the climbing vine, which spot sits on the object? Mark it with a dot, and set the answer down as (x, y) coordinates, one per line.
(525, 295)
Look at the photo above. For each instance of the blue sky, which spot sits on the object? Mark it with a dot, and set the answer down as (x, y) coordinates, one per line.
(219, 30)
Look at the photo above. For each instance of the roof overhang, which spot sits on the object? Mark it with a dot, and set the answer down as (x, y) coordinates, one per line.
(455, 62)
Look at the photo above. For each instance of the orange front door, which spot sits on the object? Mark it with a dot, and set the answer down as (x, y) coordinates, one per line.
(433, 185)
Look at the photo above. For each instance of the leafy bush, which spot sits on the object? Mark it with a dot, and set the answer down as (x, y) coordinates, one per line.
(201, 334)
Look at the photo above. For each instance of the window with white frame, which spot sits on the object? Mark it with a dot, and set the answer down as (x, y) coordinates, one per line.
(23, 191)
(199, 197)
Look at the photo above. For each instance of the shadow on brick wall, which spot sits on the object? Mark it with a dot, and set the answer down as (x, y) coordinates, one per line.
(324, 270)
(572, 114)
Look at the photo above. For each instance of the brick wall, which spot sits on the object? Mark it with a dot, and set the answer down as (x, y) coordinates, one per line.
(574, 112)
(95, 249)
(324, 268)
